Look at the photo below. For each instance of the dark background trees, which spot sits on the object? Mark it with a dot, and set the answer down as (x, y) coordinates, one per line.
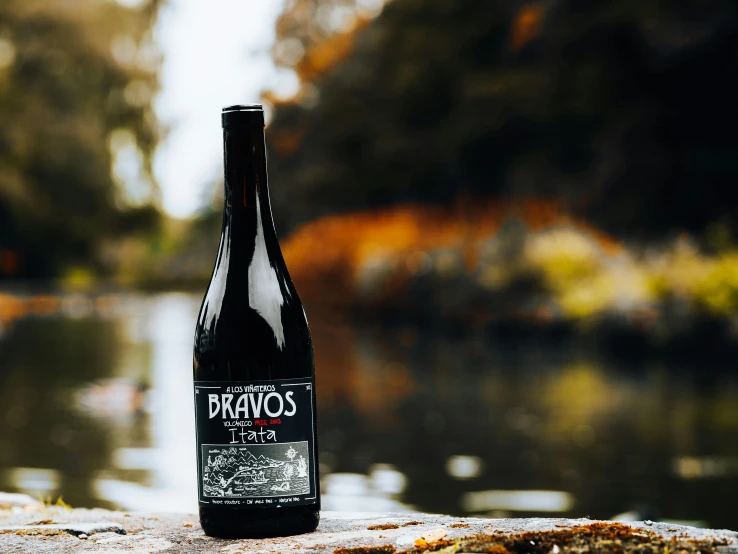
(624, 109)
(72, 75)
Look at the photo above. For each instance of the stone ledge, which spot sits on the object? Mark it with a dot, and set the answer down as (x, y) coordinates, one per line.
(39, 529)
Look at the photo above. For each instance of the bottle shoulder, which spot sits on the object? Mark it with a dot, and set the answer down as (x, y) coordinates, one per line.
(237, 341)
(251, 321)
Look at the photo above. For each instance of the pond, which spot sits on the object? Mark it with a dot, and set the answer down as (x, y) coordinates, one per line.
(96, 407)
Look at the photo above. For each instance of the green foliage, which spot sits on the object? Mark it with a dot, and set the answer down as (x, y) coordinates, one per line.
(71, 74)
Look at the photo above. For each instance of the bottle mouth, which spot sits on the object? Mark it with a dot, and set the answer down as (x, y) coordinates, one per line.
(243, 115)
(243, 108)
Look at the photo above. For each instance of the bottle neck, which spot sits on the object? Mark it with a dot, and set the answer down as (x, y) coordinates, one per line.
(247, 211)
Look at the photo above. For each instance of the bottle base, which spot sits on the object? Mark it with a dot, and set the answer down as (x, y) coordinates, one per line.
(260, 523)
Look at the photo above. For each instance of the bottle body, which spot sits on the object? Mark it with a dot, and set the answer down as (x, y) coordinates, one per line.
(253, 368)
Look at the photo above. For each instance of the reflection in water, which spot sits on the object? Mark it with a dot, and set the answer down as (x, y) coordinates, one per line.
(164, 330)
(464, 467)
(111, 397)
(519, 501)
(375, 492)
(96, 406)
(42, 480)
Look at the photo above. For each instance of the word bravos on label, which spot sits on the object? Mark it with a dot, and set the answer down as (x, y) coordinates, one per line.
(251, 405)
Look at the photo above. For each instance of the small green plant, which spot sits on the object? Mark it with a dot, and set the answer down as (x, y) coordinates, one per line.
(49, 503)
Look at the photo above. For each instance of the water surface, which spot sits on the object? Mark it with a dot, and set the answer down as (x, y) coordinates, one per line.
(96, 406)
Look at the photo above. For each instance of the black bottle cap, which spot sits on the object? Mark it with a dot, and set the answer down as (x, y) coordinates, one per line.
(243, 115)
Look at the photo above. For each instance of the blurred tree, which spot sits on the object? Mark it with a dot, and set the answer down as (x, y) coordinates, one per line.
(76, 83)
(310, 32)
(626, 109)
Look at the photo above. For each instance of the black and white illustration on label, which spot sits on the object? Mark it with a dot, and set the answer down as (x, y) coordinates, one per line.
(256, 470)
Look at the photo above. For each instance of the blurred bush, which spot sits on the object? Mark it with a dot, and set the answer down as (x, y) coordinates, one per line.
(76, 83)
(528, 262)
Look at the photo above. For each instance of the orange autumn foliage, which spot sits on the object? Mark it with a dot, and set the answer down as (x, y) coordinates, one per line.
(527, 25)
(11, 308)
(325, 55)
(325, 256)
(368, 384)
(285, 141)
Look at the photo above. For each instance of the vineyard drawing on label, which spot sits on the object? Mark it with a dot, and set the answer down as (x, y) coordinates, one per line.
(255, 470)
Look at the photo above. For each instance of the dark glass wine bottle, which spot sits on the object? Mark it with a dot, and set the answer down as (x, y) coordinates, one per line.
(253, 364)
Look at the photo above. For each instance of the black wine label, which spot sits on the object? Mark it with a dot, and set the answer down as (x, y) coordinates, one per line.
(255, 443)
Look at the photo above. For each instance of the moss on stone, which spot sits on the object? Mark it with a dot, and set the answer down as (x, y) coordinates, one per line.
(595, 538)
